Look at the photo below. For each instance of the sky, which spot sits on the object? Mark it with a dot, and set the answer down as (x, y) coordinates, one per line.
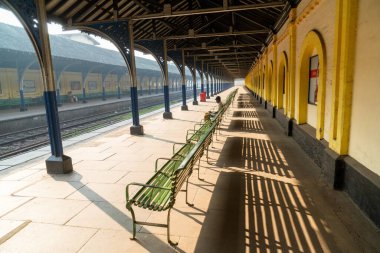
(9, 18)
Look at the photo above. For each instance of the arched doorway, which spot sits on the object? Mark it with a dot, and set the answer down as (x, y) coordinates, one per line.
(282, 81)
(312, 81)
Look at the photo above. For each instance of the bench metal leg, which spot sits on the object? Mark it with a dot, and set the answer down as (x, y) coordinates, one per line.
(208, 162)
(134, 222)
(199, 168)
(168, 235)
(187, 190)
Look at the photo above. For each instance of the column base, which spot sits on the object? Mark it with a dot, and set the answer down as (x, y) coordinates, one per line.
(59, 165)
(137, 130)
(167, 115)
(184, 108)
(289, 131)
(195, 102)
(333, 169)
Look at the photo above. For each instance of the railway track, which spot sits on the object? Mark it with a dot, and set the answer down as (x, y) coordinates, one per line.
(19, 142)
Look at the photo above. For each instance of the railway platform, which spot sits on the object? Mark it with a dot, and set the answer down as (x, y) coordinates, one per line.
(261, 193)
(39, 110)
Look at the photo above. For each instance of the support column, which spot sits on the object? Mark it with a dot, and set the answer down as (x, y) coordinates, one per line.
(167, 114)
(84, 94)
(195, 102)
(104, 87)
(218, 82)
(202, 76)
(57, 163)
(292, 64)
(20, 74)
(58, 94)
(221, 80)
(207, 83)
(118, 92)
(266, 78)
(274, 78)
(344, 52)
(212, 78)
(183, 70)
(22, 98)
(136, 128)
(58, 90)
(118, 86)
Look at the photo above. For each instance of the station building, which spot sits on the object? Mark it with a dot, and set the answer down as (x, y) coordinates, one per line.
(318, 77)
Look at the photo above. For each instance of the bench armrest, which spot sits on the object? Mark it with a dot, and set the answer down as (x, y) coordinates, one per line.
(178, 143)
(187, 133)
(198, 124)
(142, 185)
(163, 158)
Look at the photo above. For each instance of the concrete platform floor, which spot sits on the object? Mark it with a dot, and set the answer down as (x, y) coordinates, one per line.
(260, 194)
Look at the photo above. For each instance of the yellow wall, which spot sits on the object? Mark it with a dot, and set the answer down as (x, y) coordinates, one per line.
(65, 82)
(364, 143)
(8, 79)
(10, 83)
(321, 17)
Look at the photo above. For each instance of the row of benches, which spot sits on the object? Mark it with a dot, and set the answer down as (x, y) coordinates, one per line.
(159, 193)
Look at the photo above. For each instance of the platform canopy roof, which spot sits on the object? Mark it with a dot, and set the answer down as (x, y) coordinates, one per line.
(227, 34)
(17, 45)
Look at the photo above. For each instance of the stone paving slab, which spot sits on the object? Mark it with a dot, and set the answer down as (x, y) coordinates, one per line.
(41, 238)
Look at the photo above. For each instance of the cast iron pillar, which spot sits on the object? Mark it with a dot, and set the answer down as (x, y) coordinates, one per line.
(202, 75)
(167, 114)
(212, 78)
(184, 106)
(207, 83)
(57, 163)
(195, 102)
(136, 128)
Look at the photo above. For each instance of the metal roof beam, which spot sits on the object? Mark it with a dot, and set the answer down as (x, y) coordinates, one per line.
(209, 35)
(210, 11)
(217, 47)
(224, 59)
(173, 14)
(227, 53)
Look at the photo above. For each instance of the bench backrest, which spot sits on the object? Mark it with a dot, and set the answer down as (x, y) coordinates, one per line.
(185, 168)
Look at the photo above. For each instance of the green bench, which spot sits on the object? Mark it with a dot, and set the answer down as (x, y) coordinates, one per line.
(159, 193)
